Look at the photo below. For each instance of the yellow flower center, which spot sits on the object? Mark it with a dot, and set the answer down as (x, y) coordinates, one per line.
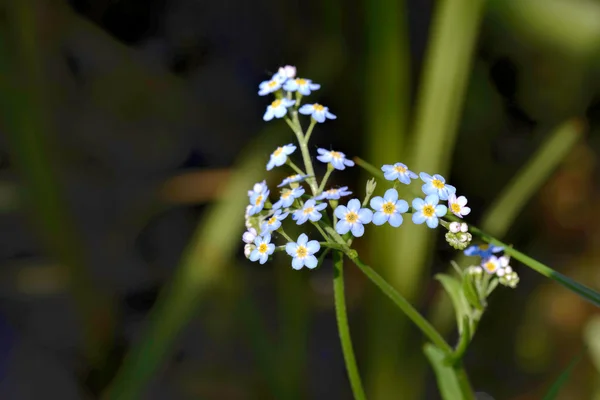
(400, 169)
(272, 220)
(301, 252)
(428, 211)
(301, 81)
(389, 207)
(336, 155)
(455, 207)
(484, 246)
(351, 217)
(285, 194)
(258, 200)
(278, 150)
(308, 210)
(263, 248)
(272, 83)
(437, 184)
(490, 266)
(292, 177)
(276, 103)
(318, 107)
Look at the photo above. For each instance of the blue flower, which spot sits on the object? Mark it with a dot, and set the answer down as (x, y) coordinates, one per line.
(292, 179)
(484, 251)
(273, 223)
(257, 202)
(303, 252)
(264, 248)
(310, 210)
(303, 86)
(398, 171)
(436, 184)
(428, 210)
(287, 197)
(352, 218)
(317, 111)
(388, 208)
(278, 109)
(336, 158)
(491, 264)
(259, 188)
(279, 156)
(270, 86)
(334, 194)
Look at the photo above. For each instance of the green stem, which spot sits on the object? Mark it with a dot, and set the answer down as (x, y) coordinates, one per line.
(321, 231)
(303, 142)
(295, 167)
(343, 328)
(313, 122)
(401, 302)
(325, 178)
(463, 383)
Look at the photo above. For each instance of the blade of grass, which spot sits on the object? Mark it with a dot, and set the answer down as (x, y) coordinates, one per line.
(563, 378)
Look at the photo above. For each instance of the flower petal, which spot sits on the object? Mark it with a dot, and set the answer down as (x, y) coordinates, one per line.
(396, 220)
(291, 248)
(297, 263)
(441, 210)
(311, 262)
(402, 206)
(418, 204)
(376, 203)
(391, 195)
(432, 222)
(313, 246)
(340, 211)
(358, 230)
(354, 205)
(365, 215)
(342, 227)
(418, 217)
(380, 218)
(432, 199)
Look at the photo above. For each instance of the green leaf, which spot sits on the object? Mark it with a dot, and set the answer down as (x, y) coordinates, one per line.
(562, 379)
(471, 293)
(447, 380)
(452, 286)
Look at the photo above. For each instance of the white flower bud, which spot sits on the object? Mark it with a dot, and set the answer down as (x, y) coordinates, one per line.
(248, 249)
(501, 272)
(454, 227)
(464, 227)
(249, 235)
(289, 71)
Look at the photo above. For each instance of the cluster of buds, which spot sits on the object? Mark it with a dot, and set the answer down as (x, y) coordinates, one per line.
(458, 235)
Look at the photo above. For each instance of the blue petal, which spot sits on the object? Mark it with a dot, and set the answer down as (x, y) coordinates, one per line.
(322, 151)
(354, 205)
(330, 115)
(441, 210)
(432, 222)
(315, 216)
(418, 217)
(306, 109)
(254, 255)
(321, 207)
(396, 220)
(291, 248)
(342, 227)
(349, 163)
(263, 258)
(268, 114)
(270, 248)
(376, 203)
(270, 164)
(418, 204)
(425, 177)
(439, 178)
(340, 212)
(432, 199)
(391, 175)
(313, 246)
(297, 263)
(471, 251)
(380, 218)
(365, 215)
(279, 112)
(302, 239)
(391, 195)
(402, 206)
(428, 188)
(404, 179)
(310, 262)
(319, 116)
(358, 230)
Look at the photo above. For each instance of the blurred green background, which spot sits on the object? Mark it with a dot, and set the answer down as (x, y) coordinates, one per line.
(131, 131)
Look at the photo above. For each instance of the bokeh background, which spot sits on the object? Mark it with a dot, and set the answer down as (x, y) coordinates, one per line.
(132, 129)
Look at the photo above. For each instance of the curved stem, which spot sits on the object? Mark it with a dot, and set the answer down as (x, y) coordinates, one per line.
(295, 167)
(343, 328)
(303, 142)
(326, 177)
(401, 302)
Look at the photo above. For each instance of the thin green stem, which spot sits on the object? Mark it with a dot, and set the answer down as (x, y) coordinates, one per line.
(325, 178)
(313, 122)
(321, 231)
(343, 328)
(401, 302)
(303, 142)
(463, 383)
(295, 167)
(285, 235)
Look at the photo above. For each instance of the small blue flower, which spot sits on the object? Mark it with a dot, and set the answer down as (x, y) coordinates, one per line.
(264, 248)
(259, 188)
(352, 218)
(303, 252)
(491, 265)
(310, 210)
(334, 194)
(278, 109)
(436, 184)
(398, 171)
(336, 158)
(317, 111)
(292, 179)
(428, 210)
(287, 197)
(270, 86)
(484, 251)
(304, 86)
(257, 202)
(279, 156)
(273, 223)
(388, 208)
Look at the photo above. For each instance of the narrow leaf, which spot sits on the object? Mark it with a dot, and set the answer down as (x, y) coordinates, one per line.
(447, 380)
(460, 303)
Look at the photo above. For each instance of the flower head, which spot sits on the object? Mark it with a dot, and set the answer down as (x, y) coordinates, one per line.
(388, 208)
(352, 218)
(436, 184)
(317, 111)
(491, 265)
(292, 179)
(336, 158)
(264, 248)
(279, 156)
(484, 250)
(257, 202)
(287, 197)
(398, 171)
(458, 205)
(270, 86)
(334, 194)
(303, 86)
(310, 210)
(277, 109)
(273, 223)
(428, 210)
(285, 73)
(303, 252)
(249, 235)
(259, 187)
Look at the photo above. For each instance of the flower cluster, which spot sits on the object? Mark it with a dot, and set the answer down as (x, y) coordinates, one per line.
(493, 265)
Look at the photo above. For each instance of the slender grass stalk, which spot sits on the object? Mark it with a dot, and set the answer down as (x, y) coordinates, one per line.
(343, 328)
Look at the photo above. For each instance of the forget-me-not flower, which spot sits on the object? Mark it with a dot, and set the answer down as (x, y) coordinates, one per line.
(491, 264)
(259, 187)
(352, 218)
(287, 197)
(310, 210)
(428, 210)
(398, 171)
(334, 194)
(270, 86)
(273, 223)
(303, 252)
(317, 111)
(388, 208)
(457, 205)
(277, 109)
(292, 179)
(436, 184)
(264, 248)
(257, 201)
(279, 156)
(484, 250)
(303, 86)
(336, 158)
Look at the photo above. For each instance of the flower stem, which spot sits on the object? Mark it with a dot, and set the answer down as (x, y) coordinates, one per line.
(463, 382)
(401, 302)
(303, 142)
(343, 328)
(313, 122)
(295, 167)
(325, 178)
